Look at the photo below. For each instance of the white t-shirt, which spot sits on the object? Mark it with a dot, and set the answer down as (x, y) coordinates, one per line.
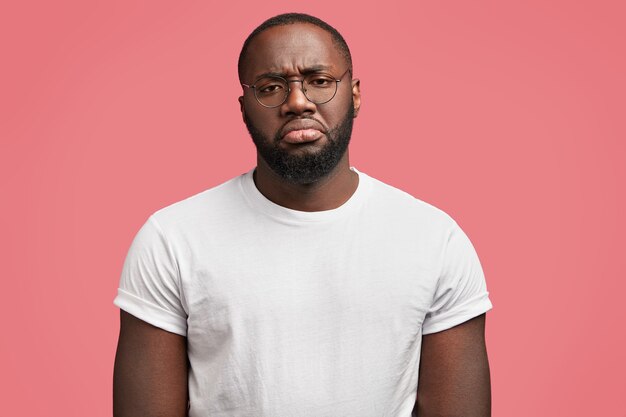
(291, 313)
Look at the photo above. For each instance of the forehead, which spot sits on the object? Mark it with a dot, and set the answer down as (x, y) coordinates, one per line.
(290, 49)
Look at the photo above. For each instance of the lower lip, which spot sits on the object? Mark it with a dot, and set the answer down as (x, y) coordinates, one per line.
(302, 136)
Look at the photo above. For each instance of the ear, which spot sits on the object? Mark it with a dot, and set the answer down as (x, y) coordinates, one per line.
(356, 95)
(241, 107)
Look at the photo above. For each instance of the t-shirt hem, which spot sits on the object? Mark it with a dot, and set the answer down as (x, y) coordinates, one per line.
(150, 313)
(461, 314)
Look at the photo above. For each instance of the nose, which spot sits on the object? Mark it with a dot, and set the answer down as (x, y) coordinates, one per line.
(296, 102)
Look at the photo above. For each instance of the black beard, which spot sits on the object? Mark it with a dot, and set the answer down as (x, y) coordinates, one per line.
(305, 168)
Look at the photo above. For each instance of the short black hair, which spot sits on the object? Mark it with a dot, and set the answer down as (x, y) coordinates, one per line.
(290, 19)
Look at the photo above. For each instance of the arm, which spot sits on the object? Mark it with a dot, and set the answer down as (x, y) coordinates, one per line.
(454, 373)
(150, 375)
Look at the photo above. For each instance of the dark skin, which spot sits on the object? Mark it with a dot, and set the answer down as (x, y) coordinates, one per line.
(454, 373)
(292, 50)
(151, 370)
(151, 366)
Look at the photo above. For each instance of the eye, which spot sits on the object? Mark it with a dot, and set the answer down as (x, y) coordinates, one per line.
(320, 81)
(270, 87)
(266, 89)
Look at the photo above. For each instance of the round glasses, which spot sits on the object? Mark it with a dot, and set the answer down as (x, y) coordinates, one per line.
(273, 90)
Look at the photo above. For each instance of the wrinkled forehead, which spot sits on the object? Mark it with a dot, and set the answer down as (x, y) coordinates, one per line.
(291, 50)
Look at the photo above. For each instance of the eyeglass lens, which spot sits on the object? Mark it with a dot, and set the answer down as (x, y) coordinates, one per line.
(273, 91)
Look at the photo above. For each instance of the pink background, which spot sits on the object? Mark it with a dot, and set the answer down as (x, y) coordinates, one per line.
(507, 115)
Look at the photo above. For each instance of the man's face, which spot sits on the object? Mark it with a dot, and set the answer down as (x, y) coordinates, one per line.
(300, 141)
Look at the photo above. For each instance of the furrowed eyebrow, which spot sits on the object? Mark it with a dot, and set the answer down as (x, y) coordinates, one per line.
(306, 71)
(314, 69)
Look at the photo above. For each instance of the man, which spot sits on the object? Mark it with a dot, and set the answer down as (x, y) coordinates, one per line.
(303, 287)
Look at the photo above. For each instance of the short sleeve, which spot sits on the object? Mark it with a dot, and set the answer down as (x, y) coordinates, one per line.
(461, 292)
(150, 284)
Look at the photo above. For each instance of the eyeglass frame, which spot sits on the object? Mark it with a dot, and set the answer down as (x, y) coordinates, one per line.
(253, 87)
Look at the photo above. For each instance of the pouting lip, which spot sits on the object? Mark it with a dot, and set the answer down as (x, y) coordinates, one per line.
(301, 124)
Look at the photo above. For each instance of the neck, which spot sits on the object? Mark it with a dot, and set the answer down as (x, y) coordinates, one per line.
(328, 193)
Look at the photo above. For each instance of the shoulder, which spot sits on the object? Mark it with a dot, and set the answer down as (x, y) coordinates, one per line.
(399, 204)
(209, 206)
